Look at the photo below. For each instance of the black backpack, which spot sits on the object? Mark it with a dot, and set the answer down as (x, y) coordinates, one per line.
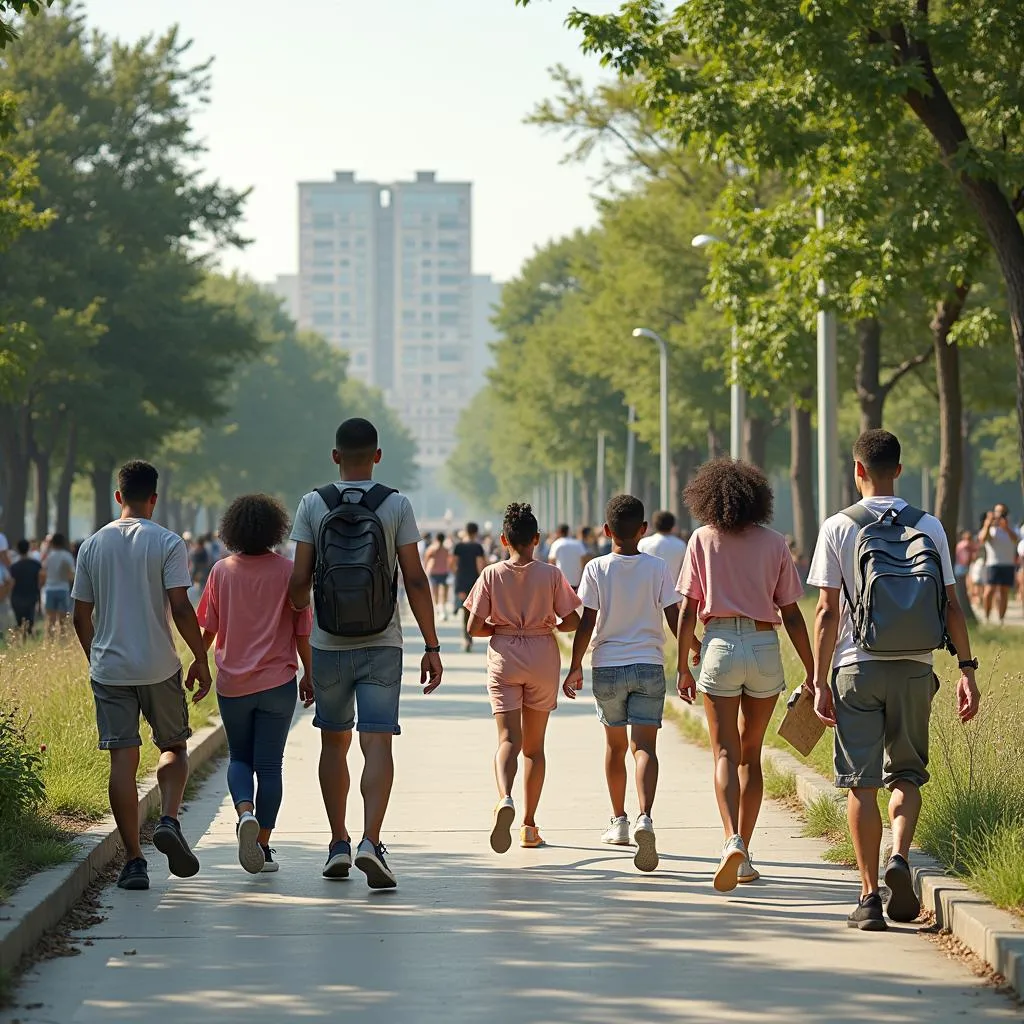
(898, 606)
(354, 588)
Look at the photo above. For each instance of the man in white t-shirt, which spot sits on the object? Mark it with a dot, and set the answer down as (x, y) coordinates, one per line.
(664, 543)
(625, 595)
(879, 706)
(132, 579)
(569, 554)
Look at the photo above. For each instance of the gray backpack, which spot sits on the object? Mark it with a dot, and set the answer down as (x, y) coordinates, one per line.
(898, 607)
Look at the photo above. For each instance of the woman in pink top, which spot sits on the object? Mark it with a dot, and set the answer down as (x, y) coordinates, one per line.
(519, 604)
(260, 642)
(737, 577)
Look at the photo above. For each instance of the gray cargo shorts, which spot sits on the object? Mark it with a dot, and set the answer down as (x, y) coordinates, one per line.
(882, 713)
(162, 705)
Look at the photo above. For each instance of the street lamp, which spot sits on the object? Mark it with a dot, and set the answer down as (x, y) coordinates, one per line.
(737, 395)
(828, 402)
(643, 332)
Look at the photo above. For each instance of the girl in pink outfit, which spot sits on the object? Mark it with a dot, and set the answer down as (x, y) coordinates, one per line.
(519, 603)
(260, 642)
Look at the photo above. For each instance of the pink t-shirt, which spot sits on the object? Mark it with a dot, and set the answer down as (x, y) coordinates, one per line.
(246, 603)
(750, 574)
(527, 596)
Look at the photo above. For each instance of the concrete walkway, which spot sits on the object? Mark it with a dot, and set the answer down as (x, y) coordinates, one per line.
(569, 933)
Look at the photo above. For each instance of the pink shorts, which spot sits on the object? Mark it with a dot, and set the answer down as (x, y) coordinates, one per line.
(523, 671)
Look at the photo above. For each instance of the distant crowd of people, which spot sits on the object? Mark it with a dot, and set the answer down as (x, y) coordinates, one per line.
(35, 584)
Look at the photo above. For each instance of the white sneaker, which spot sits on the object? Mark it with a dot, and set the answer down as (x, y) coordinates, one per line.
(733, 855)
(250, 853)
(747, 872)
(269, 864)
(618, 833)
(501, 832)
(646, 858)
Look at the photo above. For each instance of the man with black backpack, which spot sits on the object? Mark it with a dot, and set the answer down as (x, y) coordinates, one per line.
(351, 538)
(887, 601)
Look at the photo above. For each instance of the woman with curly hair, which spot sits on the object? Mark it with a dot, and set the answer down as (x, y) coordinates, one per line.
(518, 604)
(260, 642)
(738, 576)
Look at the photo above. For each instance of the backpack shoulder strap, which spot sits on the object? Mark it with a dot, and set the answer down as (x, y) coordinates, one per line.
(331, 496)
(861, 515)
(376, 496)
(910, 516)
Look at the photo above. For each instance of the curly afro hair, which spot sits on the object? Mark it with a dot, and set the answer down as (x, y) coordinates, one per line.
(520, 525)
(730, 495)
(254, 524)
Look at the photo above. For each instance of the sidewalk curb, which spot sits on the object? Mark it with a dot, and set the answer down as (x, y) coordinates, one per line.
(994, 935)
(41, 903)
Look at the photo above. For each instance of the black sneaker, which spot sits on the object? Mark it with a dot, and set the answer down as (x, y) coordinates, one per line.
(167, 838)
(339, 860)
(269, 864)
(904, 906)
(134, 875)
(370, 860)
(868, 915)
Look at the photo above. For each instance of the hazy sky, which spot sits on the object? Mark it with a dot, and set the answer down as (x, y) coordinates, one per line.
(302, 88)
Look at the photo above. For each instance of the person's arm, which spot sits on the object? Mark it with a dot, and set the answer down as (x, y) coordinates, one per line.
(968, 697)
(187, 624)
(826, 634)
(793, 620)
(82, 619)
(985, 529)
(417, 590)
(481, 562)
(686, 686)
(208, 637)
(479, 626)
(305, 652)
(301, 582)
(580, 642)
(569, 624)
(672, 618)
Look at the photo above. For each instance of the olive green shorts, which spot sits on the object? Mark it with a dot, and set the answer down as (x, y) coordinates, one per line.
(882, 713)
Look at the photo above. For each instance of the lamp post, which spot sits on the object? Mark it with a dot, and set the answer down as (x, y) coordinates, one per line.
(828, 404)
(737, 394)
(601, 496)
(630, 448)
(644, 332)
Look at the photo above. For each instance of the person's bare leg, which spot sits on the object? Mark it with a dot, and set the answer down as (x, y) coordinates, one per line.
(989, 597)
(334, 780)
(723, 725)
(124, 797)
(866, 831)
(755, 716)
(172, 777)
(510, 743)
(535, 725)
(643, 739)
(616, 745)
(904, 810)
(1004, 600)
(434, 589)
(377, 779)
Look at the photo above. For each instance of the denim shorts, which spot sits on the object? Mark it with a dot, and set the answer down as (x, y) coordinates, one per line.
(738, 659)
(629, 694)
(57, 601)
(367, 680)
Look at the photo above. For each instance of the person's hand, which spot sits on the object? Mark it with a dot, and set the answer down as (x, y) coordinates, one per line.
(199, 679)
(968, 697)
(573, 683)
(696, 650)
(809, 685)
(431, 671)
(686, 686)
(824, 706)
(306, 691)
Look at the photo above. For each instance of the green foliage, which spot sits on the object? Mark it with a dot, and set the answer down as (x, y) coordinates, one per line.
(8, 33)
(21, 782)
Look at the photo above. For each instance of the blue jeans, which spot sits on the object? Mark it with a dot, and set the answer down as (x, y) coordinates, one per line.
(257, 727)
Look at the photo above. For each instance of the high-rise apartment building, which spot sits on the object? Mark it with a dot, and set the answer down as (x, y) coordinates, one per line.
(385, 272)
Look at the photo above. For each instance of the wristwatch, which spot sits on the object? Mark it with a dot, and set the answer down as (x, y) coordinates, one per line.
(973, 663)
(432, 650)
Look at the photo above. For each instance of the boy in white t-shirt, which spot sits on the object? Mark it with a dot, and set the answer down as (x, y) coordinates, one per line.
(624, 595)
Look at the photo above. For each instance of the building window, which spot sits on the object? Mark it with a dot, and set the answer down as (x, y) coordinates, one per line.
(426, 279)
(323, 298)
(448, 222)
(449, 245)
(323, 319)
(323, 221)
(449, 299)
(408, 316)
(322, 244)
(448, 319)
(426, 317)
(449, 353)
(450, 279)
(345, 298)
(323, 279)
(426, 299)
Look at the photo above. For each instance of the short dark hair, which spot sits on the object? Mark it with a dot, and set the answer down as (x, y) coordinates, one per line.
(356, 437)
(624, 515)
(519, 525)
(253, 524)
(563, 530)
(472, 529)
(23, 547)
(136, 481)
(439, 538)
(730, 495)
(58, 540)
(664, 522)
(878, 451)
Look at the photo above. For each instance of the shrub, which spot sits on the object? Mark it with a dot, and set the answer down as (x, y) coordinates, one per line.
(21, 779)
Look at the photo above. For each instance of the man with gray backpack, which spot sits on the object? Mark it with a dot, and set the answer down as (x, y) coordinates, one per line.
(887, 601)
(351, 539)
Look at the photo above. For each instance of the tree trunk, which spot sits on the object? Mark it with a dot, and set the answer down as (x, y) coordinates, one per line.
(102, 476)
(947, 377)
(870, 392)
(756, 431)
(17, 467)
(716, 447)
(586, 502)
(967, 520)
(801, 475)
(67, 480)
(41, 461)
(684, 462)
